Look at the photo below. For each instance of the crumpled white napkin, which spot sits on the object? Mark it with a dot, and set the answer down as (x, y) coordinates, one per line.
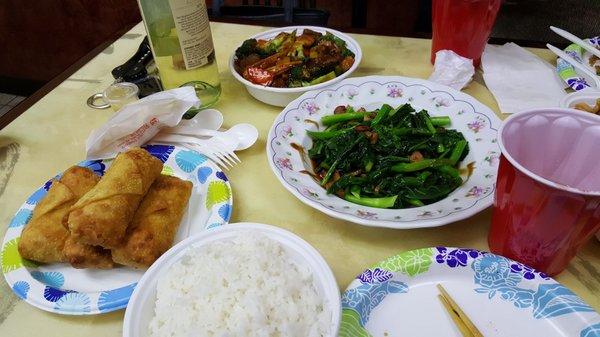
(519, 80)
(136, 123)
(452, 69)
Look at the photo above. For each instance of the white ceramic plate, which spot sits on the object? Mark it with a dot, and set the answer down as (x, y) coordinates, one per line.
(59, 288)
(140, 311)
(282, 96)
(477, 122)
(398, 297)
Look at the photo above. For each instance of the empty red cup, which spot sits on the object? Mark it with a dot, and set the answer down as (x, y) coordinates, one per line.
(462, 26)
(547, 199)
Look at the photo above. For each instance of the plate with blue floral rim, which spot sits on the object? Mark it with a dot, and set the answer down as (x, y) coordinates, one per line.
(398, 297)
(59, 288)
(574, 79)
(478, 123)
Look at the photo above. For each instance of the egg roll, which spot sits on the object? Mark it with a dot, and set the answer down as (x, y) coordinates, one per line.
(43, 238)
(155, 223)
(101, 216)
(81, 255)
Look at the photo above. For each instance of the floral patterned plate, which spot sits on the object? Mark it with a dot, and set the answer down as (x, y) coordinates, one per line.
(398, 297)
(59, 288)
(477, 122)
(568, 73)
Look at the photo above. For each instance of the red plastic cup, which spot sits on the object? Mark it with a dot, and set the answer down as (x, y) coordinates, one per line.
(547, 199)
(462, 26)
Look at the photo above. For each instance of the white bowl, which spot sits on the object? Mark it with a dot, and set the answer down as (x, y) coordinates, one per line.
(283, 96)
(140, 309)
(588, 96)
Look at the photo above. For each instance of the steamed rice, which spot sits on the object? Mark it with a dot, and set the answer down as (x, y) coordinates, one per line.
(245, 286)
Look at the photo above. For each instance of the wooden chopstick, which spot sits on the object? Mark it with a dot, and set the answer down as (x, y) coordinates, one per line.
(454, 310)
(457, 321)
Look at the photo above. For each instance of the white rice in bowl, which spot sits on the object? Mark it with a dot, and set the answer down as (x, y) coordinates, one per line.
(245, 286)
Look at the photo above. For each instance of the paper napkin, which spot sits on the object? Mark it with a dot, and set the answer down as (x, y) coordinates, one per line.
(452, 69)
(519, 80)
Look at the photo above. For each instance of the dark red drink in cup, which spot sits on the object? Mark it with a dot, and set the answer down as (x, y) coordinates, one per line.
(547, 201)
(462, 26)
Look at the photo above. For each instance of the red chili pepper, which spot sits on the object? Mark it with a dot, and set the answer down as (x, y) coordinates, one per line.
(258, 76)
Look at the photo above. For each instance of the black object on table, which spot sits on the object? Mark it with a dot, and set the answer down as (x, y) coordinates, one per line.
(135, 70)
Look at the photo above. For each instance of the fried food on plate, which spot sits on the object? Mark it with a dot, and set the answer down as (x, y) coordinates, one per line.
(101, 216)
(585, 107)
(43, 238)
(81, 255)
(155, 223)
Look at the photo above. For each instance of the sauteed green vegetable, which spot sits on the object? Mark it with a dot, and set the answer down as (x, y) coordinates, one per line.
(388, 158)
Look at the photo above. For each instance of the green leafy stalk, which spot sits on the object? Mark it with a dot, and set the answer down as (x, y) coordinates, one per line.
(451, 171)
(415, 202)
(440, 120)
(411, 131)
(333, 167)
(333, 127)
(348, 116)
(423, 176)
(322, 135)
(412, 167)
(355, 190)
(329, 172)
(425, 118)
(385, 202)
(381, 114)
(457, 151)
(369, 166)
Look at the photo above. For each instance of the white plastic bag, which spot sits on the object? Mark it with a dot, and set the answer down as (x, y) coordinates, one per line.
(138, 122)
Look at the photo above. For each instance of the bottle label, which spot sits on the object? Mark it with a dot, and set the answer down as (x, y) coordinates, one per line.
(193, 30)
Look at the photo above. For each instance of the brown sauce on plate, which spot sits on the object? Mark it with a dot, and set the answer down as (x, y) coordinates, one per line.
(312, 122)
(468, 170)
(307, 161)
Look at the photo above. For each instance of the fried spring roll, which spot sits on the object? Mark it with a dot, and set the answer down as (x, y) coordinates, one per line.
(43, 238)
(155, 223)
(81, 255)
(101, 216)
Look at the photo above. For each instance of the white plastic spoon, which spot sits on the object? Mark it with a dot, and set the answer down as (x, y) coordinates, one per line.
(244, 135)
(209, 119)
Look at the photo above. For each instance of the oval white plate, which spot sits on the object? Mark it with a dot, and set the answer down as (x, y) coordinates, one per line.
(141, 310)
(477, 122)
(59, 288)
(398, 297)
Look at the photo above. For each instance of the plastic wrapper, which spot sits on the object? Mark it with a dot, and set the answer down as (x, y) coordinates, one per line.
(452, 69)
(138, 122)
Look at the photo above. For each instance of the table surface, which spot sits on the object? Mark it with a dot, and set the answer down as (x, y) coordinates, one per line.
(50, 137)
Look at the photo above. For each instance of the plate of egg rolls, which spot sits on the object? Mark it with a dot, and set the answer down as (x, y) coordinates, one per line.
(79, 244)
